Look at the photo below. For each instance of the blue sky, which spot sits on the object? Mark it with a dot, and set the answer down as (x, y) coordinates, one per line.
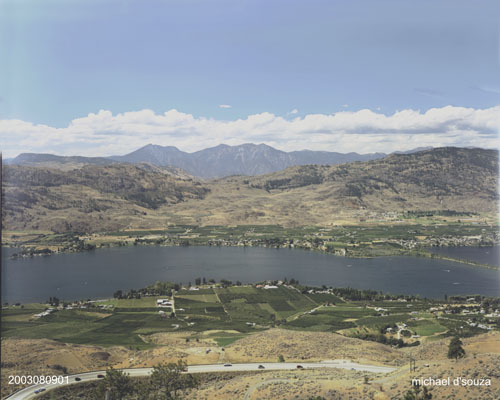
(62, 60)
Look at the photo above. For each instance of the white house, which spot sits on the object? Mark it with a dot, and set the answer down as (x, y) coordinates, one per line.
(163, 303)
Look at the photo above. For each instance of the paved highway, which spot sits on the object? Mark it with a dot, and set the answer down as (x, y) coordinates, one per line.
(29, 392)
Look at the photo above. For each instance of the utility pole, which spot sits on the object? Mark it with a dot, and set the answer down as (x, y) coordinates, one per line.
(413, 364)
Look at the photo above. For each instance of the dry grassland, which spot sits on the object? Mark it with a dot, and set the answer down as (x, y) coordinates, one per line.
(482, 360)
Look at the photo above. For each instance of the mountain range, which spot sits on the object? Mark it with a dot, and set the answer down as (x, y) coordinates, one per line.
(215, 162)
(99, 198)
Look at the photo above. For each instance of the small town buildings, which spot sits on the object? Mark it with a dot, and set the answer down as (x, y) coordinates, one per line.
(164, 303)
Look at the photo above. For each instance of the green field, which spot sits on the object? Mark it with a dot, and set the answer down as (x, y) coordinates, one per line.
(426, 327)
(241, 309)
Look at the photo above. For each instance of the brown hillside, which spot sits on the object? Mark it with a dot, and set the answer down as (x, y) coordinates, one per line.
(439, 179)
(99, 198)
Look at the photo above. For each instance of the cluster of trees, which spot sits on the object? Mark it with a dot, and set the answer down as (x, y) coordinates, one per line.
(84, 246)
(353, 190)
(167, 288)
(132, 294)
(151, 241)
(30, 252)
(367, 295)
(54, 301)
(211, 281)
(157, 289)
(276, 184)
(292, 281)
(462, 298)
(225, 283)
(305, 176)
(380, 338)
(167, 381)
(356, 294)
(418, 394)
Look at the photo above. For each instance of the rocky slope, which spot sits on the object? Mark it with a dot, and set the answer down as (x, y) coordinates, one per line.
(104, 197)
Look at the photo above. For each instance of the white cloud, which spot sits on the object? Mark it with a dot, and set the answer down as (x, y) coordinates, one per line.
(293, 112)
(225, 106)
(363, 131)
(345, 105)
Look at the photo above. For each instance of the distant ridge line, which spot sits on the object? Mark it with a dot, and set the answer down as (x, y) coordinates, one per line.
(214, 162)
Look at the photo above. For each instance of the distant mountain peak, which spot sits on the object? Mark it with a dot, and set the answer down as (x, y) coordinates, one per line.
(151, 146)
(244, 159)
(415, 150)
(218, 161)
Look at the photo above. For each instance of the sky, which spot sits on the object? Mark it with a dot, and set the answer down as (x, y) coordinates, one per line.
(99, 78)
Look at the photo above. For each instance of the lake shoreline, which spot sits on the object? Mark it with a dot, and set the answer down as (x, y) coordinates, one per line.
(97, 273)
(428, 254)
(347, 254)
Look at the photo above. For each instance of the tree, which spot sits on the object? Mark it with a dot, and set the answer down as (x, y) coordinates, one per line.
(455, 349)
(197, 281)
(169, 377)
(281, 358)
(54, 301)
(118, 294)
(405, 333)
(116, 383)
(225, 282)
(418, 394)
